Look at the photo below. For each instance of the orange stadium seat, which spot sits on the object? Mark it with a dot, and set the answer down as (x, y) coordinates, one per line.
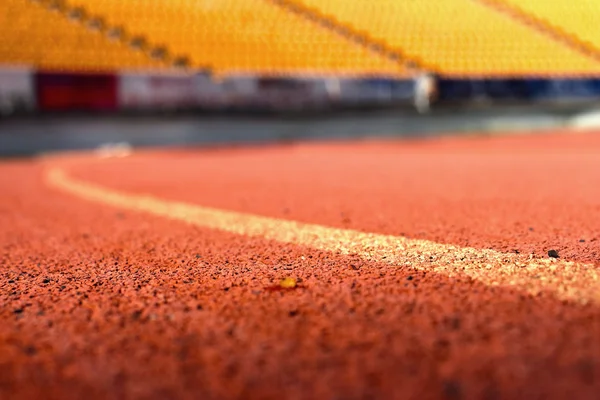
(461, 37)
(32, 34)
(239, 36)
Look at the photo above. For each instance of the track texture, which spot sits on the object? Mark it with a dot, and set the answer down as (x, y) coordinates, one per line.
(107, 302)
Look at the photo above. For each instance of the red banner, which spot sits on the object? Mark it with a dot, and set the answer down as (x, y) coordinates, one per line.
(82, 92)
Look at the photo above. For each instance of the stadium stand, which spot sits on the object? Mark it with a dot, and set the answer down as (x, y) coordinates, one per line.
(461, 37)
(139, 54)
(241, 36)
(44, 37)
(451, 37)
(579, 19)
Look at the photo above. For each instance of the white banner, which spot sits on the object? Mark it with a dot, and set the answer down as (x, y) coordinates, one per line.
(17, 90)
(293, 93)
(241, 90)
(166, 91)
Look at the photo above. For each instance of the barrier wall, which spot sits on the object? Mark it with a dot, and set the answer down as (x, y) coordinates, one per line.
(25, 89)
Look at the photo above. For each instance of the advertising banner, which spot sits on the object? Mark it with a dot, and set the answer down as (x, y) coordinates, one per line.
(376, 90)
(141, 91)
(519, 89)
(76, 92)
(292, 93)
(17, 91)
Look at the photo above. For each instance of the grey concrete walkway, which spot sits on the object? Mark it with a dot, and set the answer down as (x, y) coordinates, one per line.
(28, 136)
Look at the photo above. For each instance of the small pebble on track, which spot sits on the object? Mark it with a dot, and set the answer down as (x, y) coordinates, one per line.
(288, 283)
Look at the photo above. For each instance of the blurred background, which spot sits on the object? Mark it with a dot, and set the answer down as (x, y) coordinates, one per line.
(78, 74)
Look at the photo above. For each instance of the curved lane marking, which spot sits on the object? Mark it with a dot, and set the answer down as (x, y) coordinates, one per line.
(565, 280)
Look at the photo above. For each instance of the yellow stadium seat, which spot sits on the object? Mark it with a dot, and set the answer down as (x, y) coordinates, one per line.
(33, 34)
(461, 37)
(578, 17)
(246, 36)
(453, 37)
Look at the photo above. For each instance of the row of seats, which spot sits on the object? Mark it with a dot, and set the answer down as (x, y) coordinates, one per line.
(34, 35)
(578, 17)
(229, 35)
(454, 37)
(461, 37)
(241, 35)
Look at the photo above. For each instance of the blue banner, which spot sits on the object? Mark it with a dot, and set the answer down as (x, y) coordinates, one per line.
(518, 89)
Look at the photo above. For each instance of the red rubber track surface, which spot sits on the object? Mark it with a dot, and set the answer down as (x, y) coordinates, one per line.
(529, 194)
(99, 302)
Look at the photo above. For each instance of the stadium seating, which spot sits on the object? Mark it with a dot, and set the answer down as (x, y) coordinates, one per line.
(32, 34)
(239, 36)
(578, 17)
(460, 37)
(453, 37)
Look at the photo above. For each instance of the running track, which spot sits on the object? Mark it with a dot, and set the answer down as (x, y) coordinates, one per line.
(422, 271)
